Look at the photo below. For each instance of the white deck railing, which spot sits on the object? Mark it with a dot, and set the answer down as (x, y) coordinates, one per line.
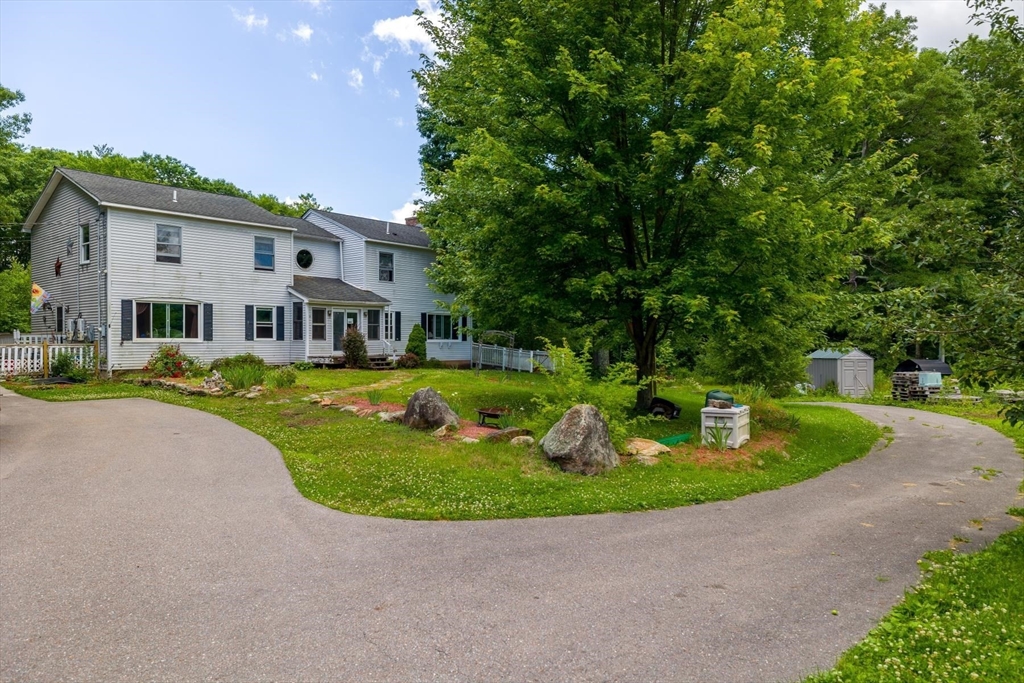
(494, 356)
(27, 359)
(52, 338)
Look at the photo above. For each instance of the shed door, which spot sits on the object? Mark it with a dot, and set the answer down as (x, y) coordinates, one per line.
(856, 377)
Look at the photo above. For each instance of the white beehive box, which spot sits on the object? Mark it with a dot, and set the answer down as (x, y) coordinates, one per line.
(734, 420)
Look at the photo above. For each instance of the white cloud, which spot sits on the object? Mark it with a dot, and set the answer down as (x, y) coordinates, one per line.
(319, 5)
(398, 121)
(355, 79)
(303, 32)
(316, 77)
(250, 20)
(410, 208)
(406, 30)
(394, 93)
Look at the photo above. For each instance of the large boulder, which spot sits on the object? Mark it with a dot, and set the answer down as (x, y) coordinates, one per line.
(579, 442)
(427, 410)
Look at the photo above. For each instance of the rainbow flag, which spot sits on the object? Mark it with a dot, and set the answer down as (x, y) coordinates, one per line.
(39, 297)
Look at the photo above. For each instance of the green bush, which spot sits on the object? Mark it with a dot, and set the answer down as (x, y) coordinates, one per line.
(354, 345)
(303, 365)
(282, 378)
(408, 361)
(242, 377)
(417, 343)
(240, 359)
(62, 364)
(169, 361)
(375, 396)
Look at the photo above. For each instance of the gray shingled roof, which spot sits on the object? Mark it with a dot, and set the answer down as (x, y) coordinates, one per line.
(330, 289)
(381, 231)
(307, 229)
(113, 190)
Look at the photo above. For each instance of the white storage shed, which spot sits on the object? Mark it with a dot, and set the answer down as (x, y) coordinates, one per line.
(853, 372)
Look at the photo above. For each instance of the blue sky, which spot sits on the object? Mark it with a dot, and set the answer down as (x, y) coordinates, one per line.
(280, 97)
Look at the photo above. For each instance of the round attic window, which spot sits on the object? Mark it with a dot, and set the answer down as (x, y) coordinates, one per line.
(304, 258)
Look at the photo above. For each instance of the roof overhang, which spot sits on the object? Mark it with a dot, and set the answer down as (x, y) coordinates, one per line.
(328, 302)
(398, 244)
(44, 198)
(161, 212)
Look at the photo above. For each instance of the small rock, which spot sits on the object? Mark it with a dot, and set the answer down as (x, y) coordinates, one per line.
(507, 434)
(239, 394)
(722, 405)
(647, 460)
(253, 394)
(443, 431)
(396, 416)
(522, 441)
(645, 447)
(469, 439)
(324, 403)
(350, 409)
(366, 412)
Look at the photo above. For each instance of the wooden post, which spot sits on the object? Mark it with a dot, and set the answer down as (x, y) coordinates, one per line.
(96, 357)
(46, 359)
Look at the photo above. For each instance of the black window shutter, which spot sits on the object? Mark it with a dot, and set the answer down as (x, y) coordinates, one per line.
(423, 321)
(127, 319)
(297, 320)
(464, 323)
(280, 323)
(398, 326)
(249, 315)
(207, 322)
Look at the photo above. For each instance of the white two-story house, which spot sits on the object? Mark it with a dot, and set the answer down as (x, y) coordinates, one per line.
(138, 264)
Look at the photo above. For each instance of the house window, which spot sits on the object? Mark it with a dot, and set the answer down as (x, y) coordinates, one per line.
(264, 323)
(84, 245)
(373, 324)
(156, 320)
(439, 326)
(387, 267)
(168, 244)
(263, 258)
(319, 324)
(304, 258)
(389, 325)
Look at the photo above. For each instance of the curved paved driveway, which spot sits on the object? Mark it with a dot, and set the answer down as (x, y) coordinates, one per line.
(143, 541)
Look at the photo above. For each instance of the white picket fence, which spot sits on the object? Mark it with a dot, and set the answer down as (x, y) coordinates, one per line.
(27, 359)
(500, 357)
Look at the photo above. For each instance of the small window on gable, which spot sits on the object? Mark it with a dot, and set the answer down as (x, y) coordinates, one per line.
(84, 245)
(168, 244)
(387, 267)
(304, 258)
(263, 257)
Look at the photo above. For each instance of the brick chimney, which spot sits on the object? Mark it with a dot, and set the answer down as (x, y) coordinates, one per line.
(412, 220)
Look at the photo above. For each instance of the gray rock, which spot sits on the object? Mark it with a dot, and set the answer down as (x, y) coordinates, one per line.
(443, 431)
(427, 410)
(391, 417)
(579, 442)
(469, 439)
(349, 409)
(507, 434)
(522, 441)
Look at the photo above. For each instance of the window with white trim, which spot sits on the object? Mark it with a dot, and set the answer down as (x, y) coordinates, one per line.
(389, 324)
(263, 253)
(168, 244)
(264, 322)
(84, 244)
(158, 320)
(319, 316)
(386, 264)
(439, 326)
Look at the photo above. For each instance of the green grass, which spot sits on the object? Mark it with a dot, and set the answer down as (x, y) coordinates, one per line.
(362, 466)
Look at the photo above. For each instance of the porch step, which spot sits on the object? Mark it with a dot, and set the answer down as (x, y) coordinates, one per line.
(380, 362)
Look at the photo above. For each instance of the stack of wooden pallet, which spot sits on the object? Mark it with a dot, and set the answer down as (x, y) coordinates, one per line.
(906, 386)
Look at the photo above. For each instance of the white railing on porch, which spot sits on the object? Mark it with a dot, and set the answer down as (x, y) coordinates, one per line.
(52, 338)
(500, 357)
(27, 359)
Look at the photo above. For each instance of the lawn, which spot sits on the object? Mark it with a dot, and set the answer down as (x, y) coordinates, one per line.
(362, 466)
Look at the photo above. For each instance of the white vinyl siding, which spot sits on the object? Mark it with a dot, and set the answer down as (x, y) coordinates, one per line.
(56, 236)
(217, 269)
(353, 253)
(326, 258)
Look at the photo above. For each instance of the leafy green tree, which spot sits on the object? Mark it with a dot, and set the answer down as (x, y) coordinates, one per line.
(12, 126)
(666, 167)
(15, 298)
(417, 343)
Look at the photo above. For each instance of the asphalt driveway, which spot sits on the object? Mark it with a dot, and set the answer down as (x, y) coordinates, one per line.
(144, 541)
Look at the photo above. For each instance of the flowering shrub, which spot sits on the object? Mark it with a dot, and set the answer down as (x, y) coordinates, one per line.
(169, 361)
(409, 360)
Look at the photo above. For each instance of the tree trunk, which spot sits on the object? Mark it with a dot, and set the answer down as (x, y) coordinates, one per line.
(645, 346)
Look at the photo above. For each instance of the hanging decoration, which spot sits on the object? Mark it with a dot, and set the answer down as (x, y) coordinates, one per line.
(39, 298)
(56, 267)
